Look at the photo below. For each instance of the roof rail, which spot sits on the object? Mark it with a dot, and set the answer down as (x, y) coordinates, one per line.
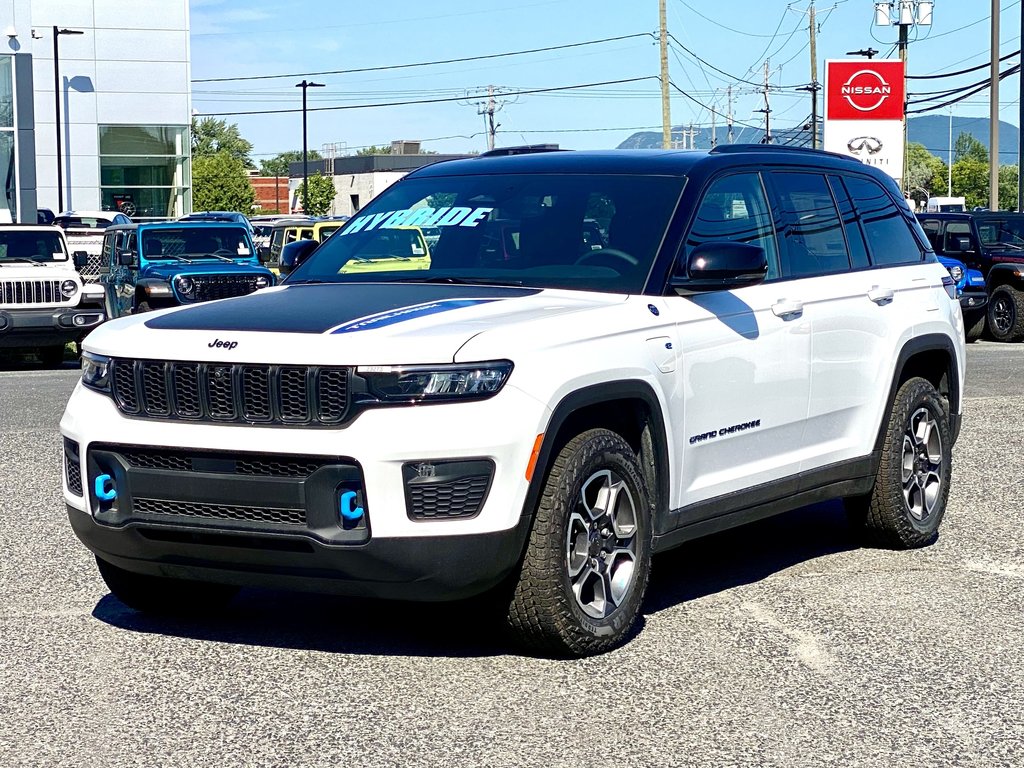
(525, 149)
(725, 149)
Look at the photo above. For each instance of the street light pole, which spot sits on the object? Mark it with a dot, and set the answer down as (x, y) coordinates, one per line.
(57, 32)
(305, 164)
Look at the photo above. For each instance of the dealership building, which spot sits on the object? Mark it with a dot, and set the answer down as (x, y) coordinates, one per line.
(94, 107)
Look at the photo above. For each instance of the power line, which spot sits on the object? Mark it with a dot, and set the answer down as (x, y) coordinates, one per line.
(423, 101)
(425, 63)
(962, 71)
(709, 109)
(1012, 71)
(720, 24)
(732, 78)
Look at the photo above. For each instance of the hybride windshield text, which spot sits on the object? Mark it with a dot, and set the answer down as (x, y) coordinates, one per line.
(418, 217)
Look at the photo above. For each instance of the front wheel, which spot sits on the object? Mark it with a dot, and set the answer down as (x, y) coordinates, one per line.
(904, 509)
(162, 595)
(1006, 314)
(974, 329)
(588, 560)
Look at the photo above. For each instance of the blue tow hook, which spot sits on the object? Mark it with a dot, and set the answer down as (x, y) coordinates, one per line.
(104, 487)
(345, 506)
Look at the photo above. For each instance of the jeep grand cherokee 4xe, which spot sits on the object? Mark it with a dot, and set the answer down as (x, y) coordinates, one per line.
(525, 415)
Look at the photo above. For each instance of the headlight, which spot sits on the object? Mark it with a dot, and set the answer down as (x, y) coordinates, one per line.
(184, 285)
(435, 383)
(262, 281)
(96, 372)
(956, 272)
(68, 288)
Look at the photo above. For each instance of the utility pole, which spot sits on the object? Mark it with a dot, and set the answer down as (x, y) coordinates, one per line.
(728, 116)
(666, 112)
(1020, 134)
(767, 109)
(714, 130)
(993, 116)
(902, 45)
(814, 79)
(488, 111)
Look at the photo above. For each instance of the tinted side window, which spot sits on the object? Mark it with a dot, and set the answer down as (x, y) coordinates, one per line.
(813, 240)
(851, 224)
(735, 208)
(890, 240)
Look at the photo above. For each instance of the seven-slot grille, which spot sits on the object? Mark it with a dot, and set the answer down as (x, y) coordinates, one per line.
(239, 393)
(32, 292)
(210, 287)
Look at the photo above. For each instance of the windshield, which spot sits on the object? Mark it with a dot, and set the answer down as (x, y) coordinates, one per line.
(82, 222)
(195, 243)
(1008, 230)
(584, 232)
(34, 245)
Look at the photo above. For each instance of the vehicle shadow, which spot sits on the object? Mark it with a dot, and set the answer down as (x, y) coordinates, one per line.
(472, 629)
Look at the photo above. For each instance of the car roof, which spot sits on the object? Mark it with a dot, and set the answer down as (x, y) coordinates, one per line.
(192, 224)
(669, 162)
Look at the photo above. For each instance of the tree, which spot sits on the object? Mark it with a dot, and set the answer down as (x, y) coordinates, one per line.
(374, 150)
(1008, 187)
(926, 174)
(969, 148)
(210, 136)
(970, 180)
(278, 166)
(220, 182)
(321, 195)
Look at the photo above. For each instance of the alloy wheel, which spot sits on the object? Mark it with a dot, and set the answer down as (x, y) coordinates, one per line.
(922, 465)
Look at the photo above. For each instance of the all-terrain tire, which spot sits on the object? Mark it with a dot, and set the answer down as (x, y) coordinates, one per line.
(588, 560)
(908, 501)
(976, 329)
(1006, 314)
(160, 595)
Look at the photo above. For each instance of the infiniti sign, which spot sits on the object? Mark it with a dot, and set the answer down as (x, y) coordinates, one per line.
(870, 145)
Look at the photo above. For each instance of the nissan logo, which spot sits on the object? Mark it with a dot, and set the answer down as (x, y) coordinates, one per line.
(866, 90)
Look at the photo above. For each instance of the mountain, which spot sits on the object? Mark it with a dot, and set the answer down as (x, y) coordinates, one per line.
(930, 130)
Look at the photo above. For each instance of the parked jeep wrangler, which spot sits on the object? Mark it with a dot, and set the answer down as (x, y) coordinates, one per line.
(992, 243)
(43, 302)
(149, 266)
(525, 416)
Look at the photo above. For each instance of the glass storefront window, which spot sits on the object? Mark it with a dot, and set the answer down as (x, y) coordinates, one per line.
(8, 179)
(144, 169)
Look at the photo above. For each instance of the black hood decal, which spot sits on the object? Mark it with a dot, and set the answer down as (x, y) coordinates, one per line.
(321, 308)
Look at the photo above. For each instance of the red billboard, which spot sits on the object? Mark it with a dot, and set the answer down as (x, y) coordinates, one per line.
(864, 90)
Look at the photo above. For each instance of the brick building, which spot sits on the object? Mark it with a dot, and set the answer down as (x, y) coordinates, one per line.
(271, 194)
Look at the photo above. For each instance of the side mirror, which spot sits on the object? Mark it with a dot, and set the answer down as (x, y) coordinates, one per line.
(126, 258)
(721, 266)
(293, 254)
(81, 259)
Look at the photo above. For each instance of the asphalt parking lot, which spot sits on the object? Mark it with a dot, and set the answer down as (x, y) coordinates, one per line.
(781, 644)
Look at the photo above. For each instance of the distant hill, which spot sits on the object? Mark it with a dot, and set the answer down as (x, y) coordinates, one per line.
(930, 130)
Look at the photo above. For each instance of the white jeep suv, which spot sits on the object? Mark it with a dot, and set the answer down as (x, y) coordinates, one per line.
(525, 406)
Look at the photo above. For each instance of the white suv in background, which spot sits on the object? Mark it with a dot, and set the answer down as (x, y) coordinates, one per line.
(512, 410)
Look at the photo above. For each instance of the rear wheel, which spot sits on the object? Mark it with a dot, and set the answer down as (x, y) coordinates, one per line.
(908, 501)
(162, 595)
(1006, 314)
(974, 329)
(587, 563)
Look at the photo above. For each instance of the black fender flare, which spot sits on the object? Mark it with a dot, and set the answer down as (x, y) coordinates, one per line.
(606, 392)
(1005, 274)
(154, 288)
(932, 342)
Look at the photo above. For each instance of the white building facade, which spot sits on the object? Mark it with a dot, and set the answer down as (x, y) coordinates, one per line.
(123, 94)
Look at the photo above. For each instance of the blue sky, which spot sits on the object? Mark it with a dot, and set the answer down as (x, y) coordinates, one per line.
(735, 36)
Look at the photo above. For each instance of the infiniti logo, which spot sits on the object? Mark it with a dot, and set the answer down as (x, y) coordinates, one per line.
(865, 144)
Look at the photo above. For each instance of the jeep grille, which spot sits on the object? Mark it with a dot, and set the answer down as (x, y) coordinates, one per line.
(210, 287)
(234, 393)
(33, 292)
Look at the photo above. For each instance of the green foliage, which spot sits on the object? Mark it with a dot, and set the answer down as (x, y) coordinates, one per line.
(970, 180)
(278, 166)
(969, 148)
(210, 136)
(220, 182)
(375, 150)
(321, 195)
(1008, 187)
(926, 174)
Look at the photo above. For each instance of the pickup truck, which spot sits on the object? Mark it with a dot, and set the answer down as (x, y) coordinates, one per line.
(992, 243)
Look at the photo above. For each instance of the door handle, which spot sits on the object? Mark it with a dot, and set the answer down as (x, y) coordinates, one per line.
(786, 308)
(880, 295)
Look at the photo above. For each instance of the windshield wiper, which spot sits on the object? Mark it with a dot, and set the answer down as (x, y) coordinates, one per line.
(174, 256)
(456, 281)
(21, 260)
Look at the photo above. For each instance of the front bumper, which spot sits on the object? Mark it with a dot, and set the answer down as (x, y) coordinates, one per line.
(46, 327)
(194, 512)
(972, 302)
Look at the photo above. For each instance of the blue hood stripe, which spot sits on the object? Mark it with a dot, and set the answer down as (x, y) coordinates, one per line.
(392, 317)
